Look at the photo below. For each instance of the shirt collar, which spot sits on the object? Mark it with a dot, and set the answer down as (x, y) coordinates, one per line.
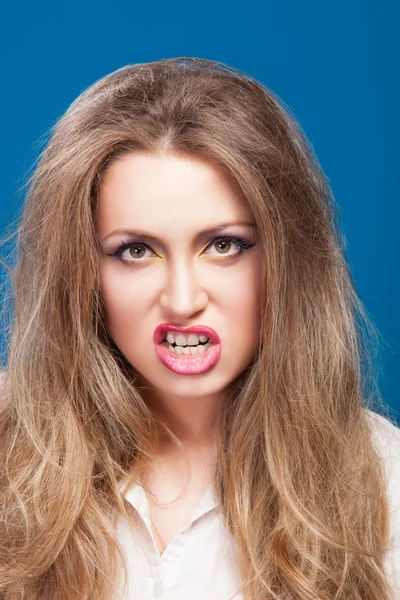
(137, 498)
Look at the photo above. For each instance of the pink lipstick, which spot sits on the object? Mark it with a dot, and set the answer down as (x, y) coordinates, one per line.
(183, 364)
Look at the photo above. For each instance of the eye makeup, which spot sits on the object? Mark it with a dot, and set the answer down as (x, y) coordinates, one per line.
(242, 244)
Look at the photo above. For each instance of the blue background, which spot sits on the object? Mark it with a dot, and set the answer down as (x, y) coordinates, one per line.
(333, 63)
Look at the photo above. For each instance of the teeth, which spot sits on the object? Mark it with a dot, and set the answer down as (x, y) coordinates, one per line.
(182, 340)
(189, 350)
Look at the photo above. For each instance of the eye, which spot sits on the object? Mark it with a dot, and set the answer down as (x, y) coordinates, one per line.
(225, 242)
(137, 250)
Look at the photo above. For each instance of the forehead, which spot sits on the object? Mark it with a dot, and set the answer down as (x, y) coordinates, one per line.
(149, 191)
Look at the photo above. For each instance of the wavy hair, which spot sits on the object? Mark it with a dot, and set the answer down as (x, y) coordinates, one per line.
(301, 487)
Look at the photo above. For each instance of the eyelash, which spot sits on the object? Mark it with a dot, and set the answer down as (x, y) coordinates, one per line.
(243, 247)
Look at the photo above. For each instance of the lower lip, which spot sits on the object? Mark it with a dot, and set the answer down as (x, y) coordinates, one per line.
(188, 365)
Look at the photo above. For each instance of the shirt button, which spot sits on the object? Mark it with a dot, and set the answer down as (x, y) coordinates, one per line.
(157, 590)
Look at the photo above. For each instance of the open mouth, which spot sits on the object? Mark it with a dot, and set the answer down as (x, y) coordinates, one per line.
(188, 350)
(188, 359)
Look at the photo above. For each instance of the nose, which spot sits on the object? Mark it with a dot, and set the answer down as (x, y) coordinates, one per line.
(182, 295)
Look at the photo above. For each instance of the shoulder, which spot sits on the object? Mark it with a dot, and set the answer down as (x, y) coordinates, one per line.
(386, 439)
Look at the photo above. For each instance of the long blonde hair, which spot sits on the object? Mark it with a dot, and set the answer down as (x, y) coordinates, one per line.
(299, 482)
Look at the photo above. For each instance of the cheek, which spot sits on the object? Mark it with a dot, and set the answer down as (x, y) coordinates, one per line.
(127, 299)
(244, 294)
(240, 306)
(122, 302)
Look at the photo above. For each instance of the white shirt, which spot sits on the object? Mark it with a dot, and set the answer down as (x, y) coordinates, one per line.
(387, 441)
(200, 561)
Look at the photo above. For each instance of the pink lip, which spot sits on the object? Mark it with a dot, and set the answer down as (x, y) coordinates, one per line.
(183, 364)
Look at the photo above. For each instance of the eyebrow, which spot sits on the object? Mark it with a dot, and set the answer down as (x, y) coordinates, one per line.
(139, 233)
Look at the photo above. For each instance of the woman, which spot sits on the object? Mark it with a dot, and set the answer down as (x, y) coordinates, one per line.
(186, 405)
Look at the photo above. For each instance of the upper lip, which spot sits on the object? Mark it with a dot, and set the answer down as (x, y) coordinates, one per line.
(160, 331)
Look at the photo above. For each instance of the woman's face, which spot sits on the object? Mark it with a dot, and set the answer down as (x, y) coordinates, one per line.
(174, 273)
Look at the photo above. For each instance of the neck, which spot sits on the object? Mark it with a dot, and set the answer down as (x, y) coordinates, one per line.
(193, 421)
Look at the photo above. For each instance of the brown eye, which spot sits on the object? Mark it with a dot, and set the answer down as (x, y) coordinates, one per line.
(133, 251)
(137, 250)
(223, 245)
